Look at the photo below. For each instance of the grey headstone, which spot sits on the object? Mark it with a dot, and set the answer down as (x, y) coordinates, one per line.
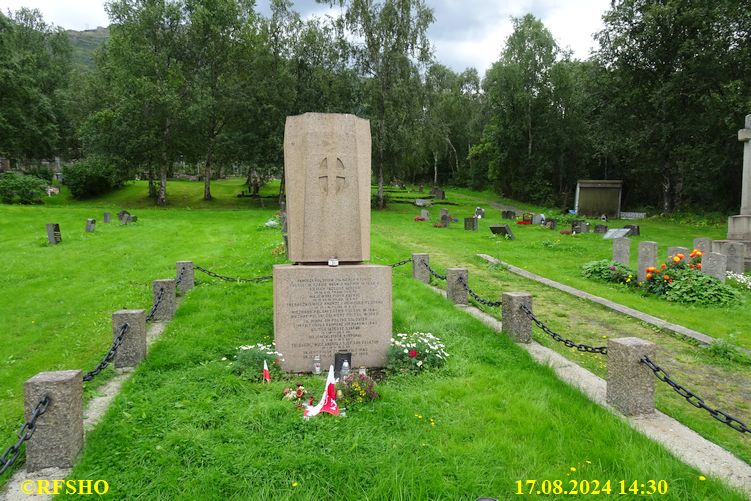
(601, 228)
(616, 233)
(133, 348)
(456, 281)
(123, 216)
(132, 219)
(444, 212)
(421, 202)
(445, 220)
(107, 217)
(703, 244)
(90, 225)
(537, 219)
(622, 250)
(425, 214)
(647, 257)
(188, 280)
(631, 384)
(58, 436)
(674, 251)
(515, 322)
(735, 253)
(53, 233)
(714, 264)
(635, 230)
(508, 214)
(420, 263)
(167, 306)
(551, 223)
(502, 229)
(470, 223)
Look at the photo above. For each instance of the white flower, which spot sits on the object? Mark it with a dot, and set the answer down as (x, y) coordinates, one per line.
(406, 350)
(419, 363)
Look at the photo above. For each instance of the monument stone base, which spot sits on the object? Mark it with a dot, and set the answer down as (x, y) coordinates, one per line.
(739, 229)
(319, 310)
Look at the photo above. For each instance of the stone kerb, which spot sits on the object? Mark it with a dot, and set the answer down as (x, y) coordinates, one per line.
(456, 282)
(167, 306)
(133, 348)
(420, 263)
(58, 435)
(188, 276)
(631, 384)
(515, 322)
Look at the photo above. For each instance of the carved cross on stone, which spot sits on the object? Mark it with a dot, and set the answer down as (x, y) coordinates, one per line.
(326, 178)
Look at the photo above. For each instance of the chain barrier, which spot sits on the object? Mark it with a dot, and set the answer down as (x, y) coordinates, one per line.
(401, 263)
(603, 350)
(109, 356)
(233, 279)
(180, 277)
(27, 430)
(476, 297)
(432, 272)
(156, 305)
(695, 399)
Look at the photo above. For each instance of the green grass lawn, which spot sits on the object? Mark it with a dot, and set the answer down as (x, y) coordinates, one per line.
(56, 306)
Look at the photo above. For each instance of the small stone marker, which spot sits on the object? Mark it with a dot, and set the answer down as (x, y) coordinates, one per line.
(647, 257)
(631, 384)
(674, 251)
(502, 229)
(601, 228)
(508, 214)
(58, 436)
(166, 309)
(479, 213)
(123, 216)
(551, 224)
(421, 202)
(188, 281)
(514, 321)
(527, 217)
(133, 348)
(456, 280)
(90, 225)
(703, 244)
(106, 218)
(132, 219)
(470, 223)
(537, 219)
(438, 193)
(53, 234)
(420, 263)
(735, 253)
(616, 233)
(622, 250)
(714, 264)
(425, 214)
(634, 230)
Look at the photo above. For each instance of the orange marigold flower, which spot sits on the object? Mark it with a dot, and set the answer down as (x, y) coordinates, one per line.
(681, 256)
(663, 266)
(649, 275)
(676, 259)
(699, 266)
(666, 277)
(691, 266)
(670, 281)
(699, 253)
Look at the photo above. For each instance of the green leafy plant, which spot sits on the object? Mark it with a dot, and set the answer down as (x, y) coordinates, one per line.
(356, 389)
(92, 176)
(610, 271)
(415, 352)
(20, 189)
(693, 286)
(248, 362)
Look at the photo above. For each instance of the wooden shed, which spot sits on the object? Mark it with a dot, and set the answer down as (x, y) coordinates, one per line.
(597, 197)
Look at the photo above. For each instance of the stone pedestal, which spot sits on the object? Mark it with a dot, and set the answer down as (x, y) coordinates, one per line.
(514, 321)
(631, 384)
(739, 227)
(188, 281)
(168, 305)
(320, 310)
(133, 349)
(456, 285)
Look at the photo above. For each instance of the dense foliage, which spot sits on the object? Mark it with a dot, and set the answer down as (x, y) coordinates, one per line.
(92, 176)
(203, 87)
(17, 188)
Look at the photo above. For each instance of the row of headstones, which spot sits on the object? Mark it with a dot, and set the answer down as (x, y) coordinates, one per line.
(630, 384)
(54, 236)
(718, 256)
(579, 226)
(58, 436)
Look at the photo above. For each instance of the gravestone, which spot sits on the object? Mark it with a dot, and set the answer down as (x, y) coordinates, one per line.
(537, 219)
(438, 193)
(445, 220)
(551, 224)
(425, 214)
(635, 231)
(53, 234)
(622, 250)
(647, 257)
(421, 202)
(132, 219)
(714, 264)
(479, 213)
(508, 214)
(123, 216)
(321, 310)
(90, 225)
(106, 218)
(703, 244)
(734, 251)
(470, 223)
(601, 228)
(527, 217)
(502, 229)
(674, 251)
(739, 227)
(617, 233)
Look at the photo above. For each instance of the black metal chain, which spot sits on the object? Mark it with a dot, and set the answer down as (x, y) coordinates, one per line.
(695, 399)
(401, 263)
(233, 279)
(432, 272)
(156, 305)
(476, 297)
(27, 430)
(180, 277)
(110, 354)
(603, 350)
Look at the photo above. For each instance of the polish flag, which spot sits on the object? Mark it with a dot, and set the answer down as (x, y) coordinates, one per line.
(266, 375)
(328, 400)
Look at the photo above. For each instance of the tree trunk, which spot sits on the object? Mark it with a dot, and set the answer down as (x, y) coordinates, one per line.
(381, 203)
(282, 189)
(456, 157)
(666, 189)
(162, 198)
(207, 172)
(152, 187)
(529, 128)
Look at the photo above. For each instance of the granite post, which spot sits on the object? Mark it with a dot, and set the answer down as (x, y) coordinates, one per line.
(420, 271)
(456, 285)
(133, 348)
(514, 321)
(714, 264)
(58, 435)
(647, 257)
(703, 244)
(185, 268)
(166, 308)
(631, 384)
(622, 250)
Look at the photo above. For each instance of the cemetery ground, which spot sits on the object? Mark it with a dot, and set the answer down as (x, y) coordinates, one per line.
(184, 426)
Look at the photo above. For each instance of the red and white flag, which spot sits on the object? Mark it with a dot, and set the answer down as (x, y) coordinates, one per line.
(328, 400)
(266, 375)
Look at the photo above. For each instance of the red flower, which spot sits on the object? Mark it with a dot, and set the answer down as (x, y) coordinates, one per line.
(412, 353)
